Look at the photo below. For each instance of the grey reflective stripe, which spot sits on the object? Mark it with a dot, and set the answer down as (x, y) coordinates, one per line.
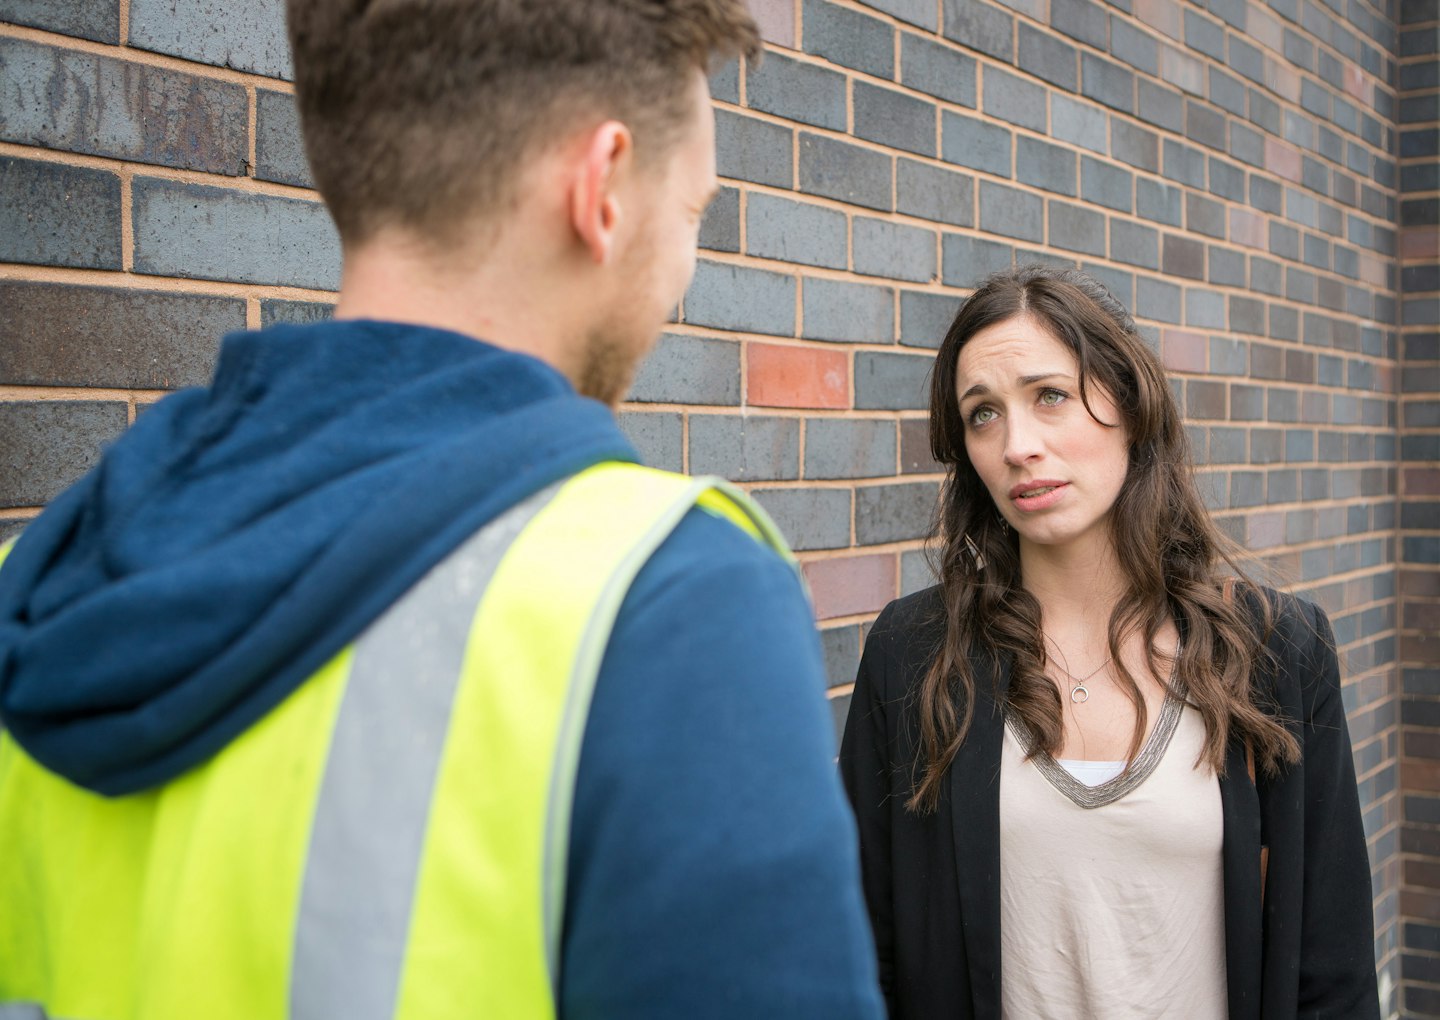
(23, 1011)
(370, 820)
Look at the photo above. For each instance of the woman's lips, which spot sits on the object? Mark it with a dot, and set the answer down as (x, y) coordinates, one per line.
(1040, 494)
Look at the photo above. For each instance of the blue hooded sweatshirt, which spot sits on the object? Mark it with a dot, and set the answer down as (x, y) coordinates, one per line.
(238, 536)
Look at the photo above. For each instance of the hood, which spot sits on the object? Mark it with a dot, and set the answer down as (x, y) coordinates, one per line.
(237, 537)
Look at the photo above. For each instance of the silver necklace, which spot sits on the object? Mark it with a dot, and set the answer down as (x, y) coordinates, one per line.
(1079, 694)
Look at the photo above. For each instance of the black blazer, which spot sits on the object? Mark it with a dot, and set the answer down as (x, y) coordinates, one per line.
(933, 882)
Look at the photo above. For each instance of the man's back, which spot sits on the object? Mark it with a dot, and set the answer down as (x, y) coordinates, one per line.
(709, 845)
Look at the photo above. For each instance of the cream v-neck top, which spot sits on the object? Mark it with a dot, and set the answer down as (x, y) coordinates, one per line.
(1117, 911)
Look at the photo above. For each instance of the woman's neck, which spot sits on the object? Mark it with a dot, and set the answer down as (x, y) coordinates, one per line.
(1076, 585)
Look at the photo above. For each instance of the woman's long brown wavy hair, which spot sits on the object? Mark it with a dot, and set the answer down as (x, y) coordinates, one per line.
(1171, 554)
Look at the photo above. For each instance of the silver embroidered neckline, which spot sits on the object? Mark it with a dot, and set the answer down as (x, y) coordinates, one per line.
(1135, 773)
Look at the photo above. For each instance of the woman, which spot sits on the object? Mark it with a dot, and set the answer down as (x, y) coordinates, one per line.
(1051, 753)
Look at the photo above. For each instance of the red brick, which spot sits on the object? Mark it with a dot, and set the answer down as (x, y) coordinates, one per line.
(1249, 229)
(783, 376)
(776, 19)
(1420, 244)
(1356, 85)
(1282, 159)
(1265, 530)
(1182, 351)
(851, 584)
(1419, 906)
(1162, 15)
(1422, 482)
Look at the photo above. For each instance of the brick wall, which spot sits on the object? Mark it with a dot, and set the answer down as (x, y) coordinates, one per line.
(1256, 180)
(1418, 82)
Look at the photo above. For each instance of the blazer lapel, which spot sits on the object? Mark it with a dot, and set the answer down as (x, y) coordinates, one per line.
(974, 787)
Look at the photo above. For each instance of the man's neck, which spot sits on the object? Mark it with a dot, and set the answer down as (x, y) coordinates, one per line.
(510, 302)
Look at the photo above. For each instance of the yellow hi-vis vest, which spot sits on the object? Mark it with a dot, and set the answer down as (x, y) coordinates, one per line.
(391, 840)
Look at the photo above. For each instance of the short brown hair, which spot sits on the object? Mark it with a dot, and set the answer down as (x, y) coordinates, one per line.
(420, 113)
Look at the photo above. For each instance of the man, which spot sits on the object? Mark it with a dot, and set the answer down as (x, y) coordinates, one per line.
(371, 681)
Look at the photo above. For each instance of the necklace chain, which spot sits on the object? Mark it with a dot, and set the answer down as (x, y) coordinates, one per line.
(1079, 694)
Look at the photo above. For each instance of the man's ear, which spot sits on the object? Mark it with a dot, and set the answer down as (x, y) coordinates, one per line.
(595, 209)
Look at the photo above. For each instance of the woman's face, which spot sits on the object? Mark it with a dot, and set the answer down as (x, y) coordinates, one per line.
(1053, 471)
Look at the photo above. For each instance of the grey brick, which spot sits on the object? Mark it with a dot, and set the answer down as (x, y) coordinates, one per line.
(1314, 99)
(1265, 112)
(1013, 213)
(57, 215)
(1078, 123)
(1204, 35)
(1228, 357)
(777, 228)
(1298, 129)
(858, 312)
(916, 573)
(894, 119)
(1134, 145)
(1227, 268)
(746, 448)
(1107, 82)
(725, 82)
(1076, 228)
(1227, 92)
(1316, 252)
(932, 67)
(296, 313)
(1158, 300)
(1082, 20)
(848, 37)
(98, 20)
(979, 26)
(1247, 403)
(1226, 445)
(925, 317)
(1266, 195)
(1247, 60)
(1157, 201)
(849, 448)
(1247, 145)
(1204, 308)
(689, 370)
(968, 260)
(892, 382)
(970, 142)
(1265, 275)
(1227, 180)
(1135, 244)
(1047, 57)
(1284, 241)
(894, 250)
(1133, 46)
(659, 437)
(1046, 166)
(1011, 98)
(934, 193)
(1183, 256)
(1204, 125)
(797, 91)
(750, 149)
(1231, 11)
(741, 298)
(1204, 216)
(1103, 184)
(845, 172)
(894, 513)
(199, 232)
(46, 446)
(1184, 164)
(720, 228)
(61, 335)
(247, 37)
(1161, 106)
(916, 12)
(279, 151)
(80, 102)
(809, 518)
(1116, 281)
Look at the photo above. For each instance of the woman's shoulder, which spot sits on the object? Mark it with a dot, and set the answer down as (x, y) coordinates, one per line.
(1286, 622)
(917, 618)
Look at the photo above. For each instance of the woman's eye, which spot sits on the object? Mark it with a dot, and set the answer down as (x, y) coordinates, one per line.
(981, 415)
(1052, 397)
